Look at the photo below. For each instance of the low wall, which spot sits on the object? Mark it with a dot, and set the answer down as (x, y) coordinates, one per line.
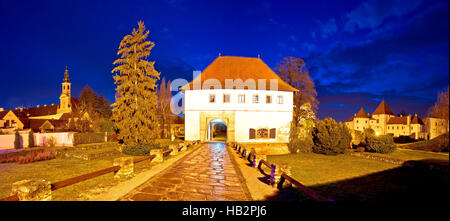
(267, 148)
(40, 139)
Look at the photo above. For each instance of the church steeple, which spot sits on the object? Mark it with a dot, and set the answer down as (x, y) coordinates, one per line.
(66, 75)
(64, 99)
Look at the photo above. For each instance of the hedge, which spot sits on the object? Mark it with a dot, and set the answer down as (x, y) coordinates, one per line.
(331, 138)
(380, 144)
(84, 138)
(141, 149)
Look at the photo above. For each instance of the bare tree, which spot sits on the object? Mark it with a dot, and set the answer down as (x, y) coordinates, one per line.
(440, 108)
(292, 70)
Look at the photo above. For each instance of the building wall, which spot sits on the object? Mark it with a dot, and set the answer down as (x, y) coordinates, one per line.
(199, 111)
(40, 139)
(435, 127)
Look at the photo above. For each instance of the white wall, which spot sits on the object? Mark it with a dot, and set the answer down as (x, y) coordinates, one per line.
(40, 139)
(247, 115)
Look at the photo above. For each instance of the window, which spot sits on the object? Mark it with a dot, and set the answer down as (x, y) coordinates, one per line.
(226, 98)
(255, 99)
(262, 133)
(268, 99)
(357, 121)
(280, 99)
(366, 122)
(212, 98)
(241, 98)
(378, 121)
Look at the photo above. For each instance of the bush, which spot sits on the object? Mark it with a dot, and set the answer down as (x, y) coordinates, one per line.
(84, 138)
(28, 156)
(17, 140)
(380, 144)
(31, 139)
(331, 138)
(300, 140)
(140, 149)
(51, 141)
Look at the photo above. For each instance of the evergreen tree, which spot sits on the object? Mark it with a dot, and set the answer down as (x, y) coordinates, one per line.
(134, 110)
(31, 139)
(17, 140)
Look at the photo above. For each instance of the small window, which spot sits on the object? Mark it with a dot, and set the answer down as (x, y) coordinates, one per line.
(226, 98)
(280, 99)
(241, 98)
(357, 121)
(262, 133)
(212, 98)
(268, 99)
(255, 99)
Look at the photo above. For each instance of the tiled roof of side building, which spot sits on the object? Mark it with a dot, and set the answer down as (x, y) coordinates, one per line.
(3, 114)
(362, 114)
(398, 120)
(244, 68)
(37, 111)
(383, 108)
(416, 120)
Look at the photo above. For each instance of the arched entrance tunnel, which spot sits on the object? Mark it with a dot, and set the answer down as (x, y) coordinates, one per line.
(217, 130)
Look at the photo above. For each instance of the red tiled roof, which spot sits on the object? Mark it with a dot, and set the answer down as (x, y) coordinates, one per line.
(383, 108)
(416, 120)
(37, 111)
(351, 119)
(3, 113)
(362, 114)
(398, 120)
(229, 67)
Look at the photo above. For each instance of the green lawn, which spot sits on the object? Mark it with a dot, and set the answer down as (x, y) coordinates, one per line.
(63, 168)
(406, 154)
(345, 177)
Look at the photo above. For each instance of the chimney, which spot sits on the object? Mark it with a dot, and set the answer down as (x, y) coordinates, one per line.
(408, 119)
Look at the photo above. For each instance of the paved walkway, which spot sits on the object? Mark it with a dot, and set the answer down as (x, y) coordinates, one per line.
(207, 174)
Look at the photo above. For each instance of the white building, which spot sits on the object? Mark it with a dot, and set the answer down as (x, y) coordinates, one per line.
(244, 94)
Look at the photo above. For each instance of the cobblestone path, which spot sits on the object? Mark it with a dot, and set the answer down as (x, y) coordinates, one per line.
(207, 174)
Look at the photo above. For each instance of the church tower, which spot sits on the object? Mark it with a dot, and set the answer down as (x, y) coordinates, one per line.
(64, 99)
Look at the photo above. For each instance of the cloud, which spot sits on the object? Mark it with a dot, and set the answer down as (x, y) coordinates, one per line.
(293, 38)
(371, 14)
(328, 28)
(409, 65)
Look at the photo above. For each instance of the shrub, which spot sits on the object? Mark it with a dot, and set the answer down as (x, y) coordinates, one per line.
(368, 132)
(84, 138)
(380, 144)
(31, 139)
(331, 138)
(140, 149)
(28, 156)
(300, 140)
(17, 140)
(51, 141)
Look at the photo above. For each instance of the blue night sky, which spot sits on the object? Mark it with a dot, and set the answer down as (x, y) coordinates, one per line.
(357, 52)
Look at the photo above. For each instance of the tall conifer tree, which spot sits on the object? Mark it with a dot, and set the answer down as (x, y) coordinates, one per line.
(134, 110)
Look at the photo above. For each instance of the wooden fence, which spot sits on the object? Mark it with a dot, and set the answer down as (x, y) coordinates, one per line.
(281, 175)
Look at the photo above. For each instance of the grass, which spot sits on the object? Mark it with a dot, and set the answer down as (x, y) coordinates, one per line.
(345, 177)
(406, 154)
(63, 168)
(312, 169)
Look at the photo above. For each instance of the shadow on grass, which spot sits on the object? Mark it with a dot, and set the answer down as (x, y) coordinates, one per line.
(414, 181)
